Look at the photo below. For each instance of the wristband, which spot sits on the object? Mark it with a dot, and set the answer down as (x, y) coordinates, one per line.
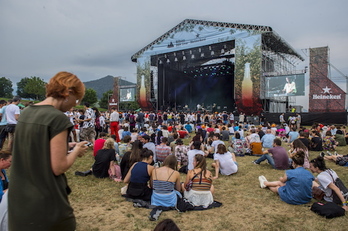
(344, 204)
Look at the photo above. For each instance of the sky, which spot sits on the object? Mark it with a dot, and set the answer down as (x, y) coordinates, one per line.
(96, 38)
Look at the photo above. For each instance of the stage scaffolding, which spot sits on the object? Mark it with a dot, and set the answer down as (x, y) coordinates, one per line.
(278, 58)
(185, 55)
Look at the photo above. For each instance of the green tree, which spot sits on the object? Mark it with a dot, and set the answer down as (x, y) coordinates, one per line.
(104, 101)
(36, 87)
(6, 87)
(20, 89)
(90, 96)
(129, 106)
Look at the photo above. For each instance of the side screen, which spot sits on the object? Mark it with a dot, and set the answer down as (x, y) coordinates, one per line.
(287, 85)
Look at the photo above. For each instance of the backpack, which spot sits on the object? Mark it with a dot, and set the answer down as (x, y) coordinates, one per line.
(328, 210)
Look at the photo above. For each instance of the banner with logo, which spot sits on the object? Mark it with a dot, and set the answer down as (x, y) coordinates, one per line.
(324, 95)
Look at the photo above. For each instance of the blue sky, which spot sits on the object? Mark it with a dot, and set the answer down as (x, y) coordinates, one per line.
(97, 38)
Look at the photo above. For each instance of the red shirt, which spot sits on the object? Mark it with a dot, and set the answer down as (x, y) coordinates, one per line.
(182, 134)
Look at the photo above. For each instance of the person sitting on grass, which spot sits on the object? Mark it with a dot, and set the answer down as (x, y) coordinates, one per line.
(131, 157)
(225, 162)
(279, 159)
(329, 142)
(340, 138)
(238, 145)
(316, 143)
(201, 190)
(325, 180)
(165, 182)
(139, 175)
(181, 155)
(341, 160)
(296, 146)
(104, 165)
(295, 187)
(216, 141)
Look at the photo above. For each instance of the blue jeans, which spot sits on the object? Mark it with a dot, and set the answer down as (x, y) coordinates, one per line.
(266, 157)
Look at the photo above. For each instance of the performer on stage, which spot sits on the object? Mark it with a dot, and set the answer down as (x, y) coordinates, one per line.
(290, 87)
(213, 108)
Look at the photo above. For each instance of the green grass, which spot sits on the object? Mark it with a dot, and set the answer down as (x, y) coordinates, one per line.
(99, 206)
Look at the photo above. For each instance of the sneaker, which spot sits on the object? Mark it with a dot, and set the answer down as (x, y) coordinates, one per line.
(154, 214)
(335, 153)
(328, 153)
(254, 162)
(86, 173)
(322, 154)
(262, 180)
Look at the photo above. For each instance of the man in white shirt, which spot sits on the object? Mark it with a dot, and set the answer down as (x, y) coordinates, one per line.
(216, 142)
(12, 115)
(88, 131)
(191, 154)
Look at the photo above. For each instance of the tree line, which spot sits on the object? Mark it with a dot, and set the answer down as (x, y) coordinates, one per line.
(34, 88)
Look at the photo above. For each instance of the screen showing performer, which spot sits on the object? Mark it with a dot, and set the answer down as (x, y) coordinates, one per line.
(127, 94)
(287, 85)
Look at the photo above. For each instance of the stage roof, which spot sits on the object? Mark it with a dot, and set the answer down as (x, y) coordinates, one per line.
(271, 39)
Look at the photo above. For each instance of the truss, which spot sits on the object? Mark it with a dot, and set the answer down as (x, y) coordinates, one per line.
(204, 23)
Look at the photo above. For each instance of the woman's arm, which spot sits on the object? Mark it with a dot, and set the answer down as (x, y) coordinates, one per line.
(60, 161)
(151, 178)
(112, 168)
(150, 168)
(334, 188)
(188, 177)
(217, 168)
(177, 182)
(128, 176)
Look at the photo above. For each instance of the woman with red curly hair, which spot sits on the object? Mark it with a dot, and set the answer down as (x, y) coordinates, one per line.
(38, 198)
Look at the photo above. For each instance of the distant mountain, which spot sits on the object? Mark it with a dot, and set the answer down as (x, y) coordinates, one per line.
(105, 84)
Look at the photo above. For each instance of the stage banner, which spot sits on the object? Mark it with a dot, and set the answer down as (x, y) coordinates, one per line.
(247, 75)
(324, 95)
(114, 98)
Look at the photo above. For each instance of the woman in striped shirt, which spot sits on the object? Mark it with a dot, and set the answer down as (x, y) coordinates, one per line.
(165, 182)
(201, 192)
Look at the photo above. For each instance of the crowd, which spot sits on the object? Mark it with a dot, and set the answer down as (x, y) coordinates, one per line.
(146, 150)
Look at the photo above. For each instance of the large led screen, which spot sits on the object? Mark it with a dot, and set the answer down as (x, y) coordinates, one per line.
(286, 85)
(127, 94)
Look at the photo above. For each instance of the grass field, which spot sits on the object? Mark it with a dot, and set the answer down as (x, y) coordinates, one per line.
(99, 206)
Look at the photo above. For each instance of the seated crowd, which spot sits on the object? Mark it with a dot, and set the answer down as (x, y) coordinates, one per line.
(149, 160)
